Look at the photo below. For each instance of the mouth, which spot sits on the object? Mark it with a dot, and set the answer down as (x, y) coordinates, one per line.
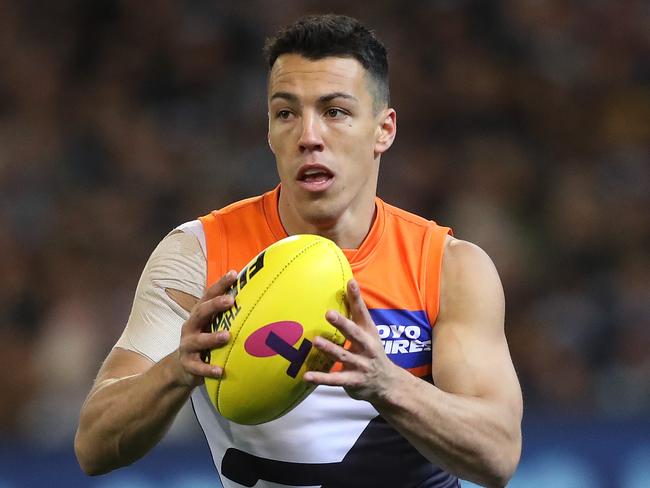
(315, 177)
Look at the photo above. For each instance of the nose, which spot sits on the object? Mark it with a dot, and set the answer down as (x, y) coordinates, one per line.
(310, 136)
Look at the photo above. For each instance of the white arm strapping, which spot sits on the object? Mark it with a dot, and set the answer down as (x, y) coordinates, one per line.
(154, 326)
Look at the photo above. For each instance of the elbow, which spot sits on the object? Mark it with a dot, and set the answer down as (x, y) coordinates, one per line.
(500, 478)
(87, 462)
(504, 465)
(496, 476)
(496, 468)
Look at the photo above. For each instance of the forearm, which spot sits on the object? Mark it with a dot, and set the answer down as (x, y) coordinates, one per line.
(473, 438)
(124, 418)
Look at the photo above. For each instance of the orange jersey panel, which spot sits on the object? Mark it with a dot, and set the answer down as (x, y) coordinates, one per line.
(397, 267)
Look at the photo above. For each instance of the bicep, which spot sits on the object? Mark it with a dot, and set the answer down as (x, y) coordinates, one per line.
(470, 351)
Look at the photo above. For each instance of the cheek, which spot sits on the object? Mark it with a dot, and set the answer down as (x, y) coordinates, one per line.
(359, 150)
(274, 139)
(279, 143)
(279, 131)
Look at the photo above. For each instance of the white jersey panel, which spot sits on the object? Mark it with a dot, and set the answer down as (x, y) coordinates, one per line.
(321, 429)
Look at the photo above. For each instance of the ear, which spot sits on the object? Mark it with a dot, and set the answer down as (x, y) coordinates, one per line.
(268, 134)
(386, 131)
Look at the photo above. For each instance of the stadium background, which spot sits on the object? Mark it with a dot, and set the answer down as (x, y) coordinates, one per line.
(524, 124)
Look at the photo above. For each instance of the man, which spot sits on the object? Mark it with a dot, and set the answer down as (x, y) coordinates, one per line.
(427, 391)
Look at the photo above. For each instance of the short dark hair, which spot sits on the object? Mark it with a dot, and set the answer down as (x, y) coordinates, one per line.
(320, 36)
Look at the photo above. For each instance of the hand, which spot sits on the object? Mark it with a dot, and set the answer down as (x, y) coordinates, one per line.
(367, 372)
(194, 339)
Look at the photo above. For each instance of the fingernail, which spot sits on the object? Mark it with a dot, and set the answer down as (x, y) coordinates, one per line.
(353, 285)
(330, 316)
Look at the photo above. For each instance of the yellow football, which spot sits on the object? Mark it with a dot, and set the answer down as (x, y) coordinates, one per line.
(281, 297)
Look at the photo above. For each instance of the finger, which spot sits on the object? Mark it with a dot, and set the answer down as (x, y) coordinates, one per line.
(221, 286)
(337, 352)
(347, 327)
(203, 312)
(358, 309)
(199, 368)
(206, 341)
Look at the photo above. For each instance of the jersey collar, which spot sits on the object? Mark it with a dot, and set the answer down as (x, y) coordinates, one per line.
(357, 257)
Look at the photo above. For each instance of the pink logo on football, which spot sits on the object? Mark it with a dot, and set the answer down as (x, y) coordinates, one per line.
(256, 344)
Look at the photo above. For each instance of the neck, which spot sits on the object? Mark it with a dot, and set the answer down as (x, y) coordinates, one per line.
(347, 230)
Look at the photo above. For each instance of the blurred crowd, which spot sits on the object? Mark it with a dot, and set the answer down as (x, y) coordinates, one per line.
(523, 124)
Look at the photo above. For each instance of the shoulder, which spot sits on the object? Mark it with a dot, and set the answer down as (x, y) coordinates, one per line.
(469, 280)
(188, 235)
(404, 216)
(403, 222)
(463, 256)
(237, 219)
(254, 203)
(181, 253)
(185, 239)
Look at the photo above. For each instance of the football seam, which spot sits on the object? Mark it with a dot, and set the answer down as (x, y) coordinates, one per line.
(286, 265)
(307, 387)
(338, 257)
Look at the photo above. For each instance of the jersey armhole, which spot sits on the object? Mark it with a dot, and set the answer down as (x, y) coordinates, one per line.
(434, 247)
(215, 248)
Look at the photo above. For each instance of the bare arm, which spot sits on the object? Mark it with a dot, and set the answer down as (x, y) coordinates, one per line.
(469, 422)
(134, 401)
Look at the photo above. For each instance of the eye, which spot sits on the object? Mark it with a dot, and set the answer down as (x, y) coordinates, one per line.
(283, 114)
(335, 113)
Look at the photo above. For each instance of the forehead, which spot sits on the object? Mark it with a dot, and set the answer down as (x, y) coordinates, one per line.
(296, 74)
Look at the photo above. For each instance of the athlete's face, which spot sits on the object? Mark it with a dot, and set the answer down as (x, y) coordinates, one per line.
(327, 139)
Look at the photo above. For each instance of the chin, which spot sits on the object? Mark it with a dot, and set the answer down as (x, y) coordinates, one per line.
(319, 217)
(321, 212)
(317, 209)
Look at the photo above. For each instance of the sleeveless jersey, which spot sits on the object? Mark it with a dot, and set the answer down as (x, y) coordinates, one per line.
(330, 439)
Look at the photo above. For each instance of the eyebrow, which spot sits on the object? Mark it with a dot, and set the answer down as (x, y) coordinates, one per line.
(331, 96)
(322, 99)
